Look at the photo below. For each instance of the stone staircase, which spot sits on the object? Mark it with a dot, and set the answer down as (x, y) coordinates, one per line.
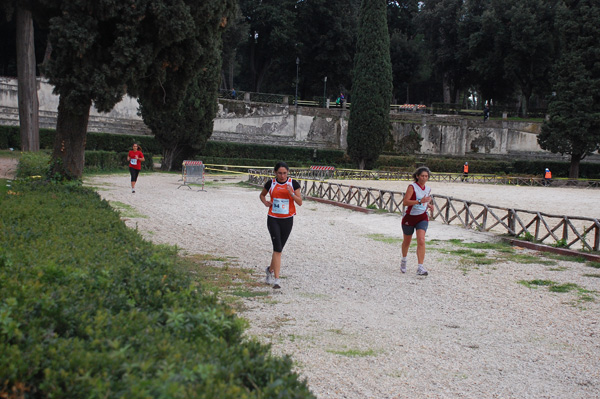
(100, 124)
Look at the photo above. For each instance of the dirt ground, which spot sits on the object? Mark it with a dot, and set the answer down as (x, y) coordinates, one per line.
(356, 327)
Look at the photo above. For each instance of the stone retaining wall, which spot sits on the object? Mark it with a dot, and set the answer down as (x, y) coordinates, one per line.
(282, 124)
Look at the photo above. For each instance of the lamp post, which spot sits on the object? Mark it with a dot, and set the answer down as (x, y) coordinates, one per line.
(297, 64)
(325, 92)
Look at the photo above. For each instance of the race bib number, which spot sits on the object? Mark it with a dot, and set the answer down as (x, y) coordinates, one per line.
(133, 161)
(281, 206)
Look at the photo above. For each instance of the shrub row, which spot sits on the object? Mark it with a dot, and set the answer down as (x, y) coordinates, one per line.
(38, 163)
(484, 166)
(444, 165)
(110, 161)
(255, 154)
(10, 138)
(88, 309)
(265, 163)
(289, 154)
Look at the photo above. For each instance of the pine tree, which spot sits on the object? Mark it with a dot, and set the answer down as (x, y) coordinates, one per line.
(179, 97)
(574, 124)
(102, 49)
(369, 124)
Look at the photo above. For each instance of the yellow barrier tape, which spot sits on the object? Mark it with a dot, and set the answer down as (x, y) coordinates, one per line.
(471, 177)
(254, 174)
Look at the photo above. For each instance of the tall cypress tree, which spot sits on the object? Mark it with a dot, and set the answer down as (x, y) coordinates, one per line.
(574, 124)
(369, 124)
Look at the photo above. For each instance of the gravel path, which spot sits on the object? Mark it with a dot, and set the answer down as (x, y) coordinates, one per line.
(358, 328)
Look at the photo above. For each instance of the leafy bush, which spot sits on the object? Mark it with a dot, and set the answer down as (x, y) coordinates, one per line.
(90, 309)
(33, 164)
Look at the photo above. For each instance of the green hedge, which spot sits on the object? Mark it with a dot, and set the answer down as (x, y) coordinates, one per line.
(38, 163)
(443, 165)
(10, 137)
(559, 169)
(263, 163)
(110, 161)
(487, 166)
(268, 155)
(305, 156)
(88, 309)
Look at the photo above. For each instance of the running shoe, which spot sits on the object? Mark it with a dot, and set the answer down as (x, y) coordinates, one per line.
(403, 266)
(276, 284)
(421, 271)
(270, 276)
(133, 190)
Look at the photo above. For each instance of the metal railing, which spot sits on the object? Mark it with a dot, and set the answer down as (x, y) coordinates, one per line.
(559, 230)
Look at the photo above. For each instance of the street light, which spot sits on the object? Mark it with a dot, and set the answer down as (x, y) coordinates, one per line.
(325, 92)
(297, 64)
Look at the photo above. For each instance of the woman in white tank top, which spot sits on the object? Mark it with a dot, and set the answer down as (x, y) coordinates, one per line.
(418, 201)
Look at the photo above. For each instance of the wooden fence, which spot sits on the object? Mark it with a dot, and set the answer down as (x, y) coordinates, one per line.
(353, 174)
(560, 230)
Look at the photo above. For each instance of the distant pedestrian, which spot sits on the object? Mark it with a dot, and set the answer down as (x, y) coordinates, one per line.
(418, 201)
(547, 177)
(284, 195)
(135, 157)
(465, 172)
(233, 93)
(340, 100)
(486, 112)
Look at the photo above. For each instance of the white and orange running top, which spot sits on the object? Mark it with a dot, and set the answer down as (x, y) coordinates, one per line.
(283, 204)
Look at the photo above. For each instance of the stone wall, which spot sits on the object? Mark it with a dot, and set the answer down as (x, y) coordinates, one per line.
(282, 124)
(327, 128)
(123, 119)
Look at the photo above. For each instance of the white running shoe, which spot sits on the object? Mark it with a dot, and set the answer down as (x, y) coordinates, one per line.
(421, 271)
(133, 190)
(403, 266)
(276, 284)
(270, 276)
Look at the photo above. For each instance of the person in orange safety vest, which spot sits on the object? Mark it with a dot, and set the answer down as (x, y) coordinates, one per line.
(465, 171)
(547, 177)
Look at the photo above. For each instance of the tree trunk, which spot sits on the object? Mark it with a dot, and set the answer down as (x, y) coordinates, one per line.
(27, 85)
(68, 156)
(574, 167)
(231, 70)
(47, 55)
(446, 88)
(170, 156)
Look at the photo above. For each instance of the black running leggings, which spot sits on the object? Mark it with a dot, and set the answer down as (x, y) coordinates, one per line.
(134, 174)
(279, 229)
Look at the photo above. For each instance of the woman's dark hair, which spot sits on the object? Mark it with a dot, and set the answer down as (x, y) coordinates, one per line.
(281, 165)
(419, 171)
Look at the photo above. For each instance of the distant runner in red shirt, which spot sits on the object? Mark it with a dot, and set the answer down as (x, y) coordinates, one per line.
(135, 159)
